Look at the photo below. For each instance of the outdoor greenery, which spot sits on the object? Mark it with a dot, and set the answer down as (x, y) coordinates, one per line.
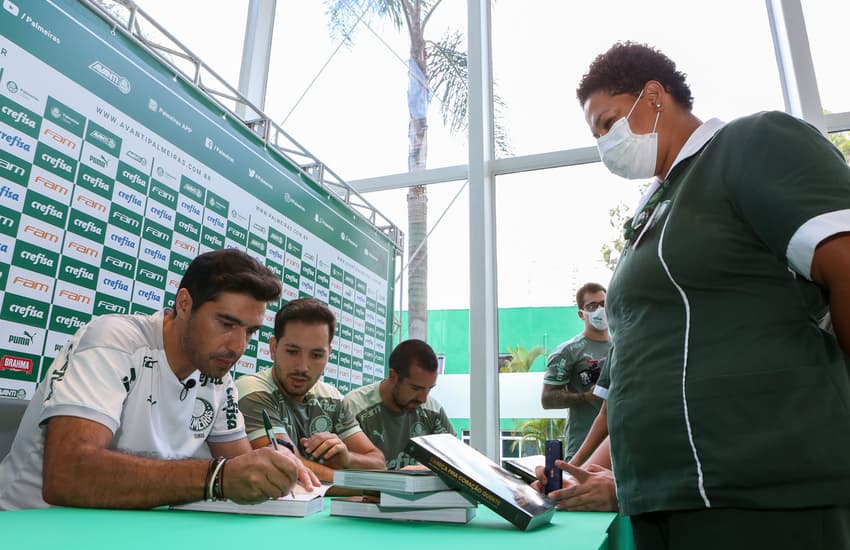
(538, 430)
(521, 359)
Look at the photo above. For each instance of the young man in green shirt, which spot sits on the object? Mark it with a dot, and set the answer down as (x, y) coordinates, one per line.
(397, 408)
(573, 368)
(303, 409)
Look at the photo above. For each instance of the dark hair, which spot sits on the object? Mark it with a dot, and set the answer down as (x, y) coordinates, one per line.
(229, 270)
(627, 67)
(587, 288)
(306, 310)
(409, 352)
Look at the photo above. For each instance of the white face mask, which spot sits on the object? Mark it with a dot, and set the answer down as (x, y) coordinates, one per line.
(627, 154)
(598, 319)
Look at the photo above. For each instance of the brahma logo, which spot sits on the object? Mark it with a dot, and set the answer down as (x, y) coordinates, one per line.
(111, 76)
(16, 364)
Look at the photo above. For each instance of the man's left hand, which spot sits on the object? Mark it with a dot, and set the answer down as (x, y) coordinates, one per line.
(327, 448)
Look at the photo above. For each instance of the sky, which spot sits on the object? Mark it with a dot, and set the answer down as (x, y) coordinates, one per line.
(347, 105)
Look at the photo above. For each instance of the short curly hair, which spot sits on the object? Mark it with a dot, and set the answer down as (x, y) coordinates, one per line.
(626, 67)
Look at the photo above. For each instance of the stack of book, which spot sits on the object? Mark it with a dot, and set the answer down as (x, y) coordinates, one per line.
(401, 495)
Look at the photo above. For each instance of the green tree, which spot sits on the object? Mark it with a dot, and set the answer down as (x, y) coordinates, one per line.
(435, 69)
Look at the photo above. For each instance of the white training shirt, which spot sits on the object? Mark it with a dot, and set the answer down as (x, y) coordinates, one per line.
(114, 371)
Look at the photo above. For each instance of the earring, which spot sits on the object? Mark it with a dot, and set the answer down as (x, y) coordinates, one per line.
(658, 105)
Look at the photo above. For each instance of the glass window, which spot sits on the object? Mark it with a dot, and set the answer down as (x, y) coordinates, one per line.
(348, 103)
(826, 26)
(541, 50)
(220, 43)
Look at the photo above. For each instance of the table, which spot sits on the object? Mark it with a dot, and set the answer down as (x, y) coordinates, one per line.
(161, 529)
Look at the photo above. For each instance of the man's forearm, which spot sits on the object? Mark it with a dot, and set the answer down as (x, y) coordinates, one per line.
(366, 461)
(563, 398)
(104, 478)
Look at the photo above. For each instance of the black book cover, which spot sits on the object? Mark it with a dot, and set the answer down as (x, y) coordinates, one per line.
(464, 468)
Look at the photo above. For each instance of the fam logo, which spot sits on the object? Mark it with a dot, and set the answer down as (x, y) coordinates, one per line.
(289, 200)
(58, 139)
(203, 415)
(111, 76)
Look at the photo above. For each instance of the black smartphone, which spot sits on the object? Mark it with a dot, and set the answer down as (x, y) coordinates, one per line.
(554, 475)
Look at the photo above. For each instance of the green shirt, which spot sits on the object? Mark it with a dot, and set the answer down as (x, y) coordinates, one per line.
(569, 365)
(391, 431)
(321, 411)
(724, 390)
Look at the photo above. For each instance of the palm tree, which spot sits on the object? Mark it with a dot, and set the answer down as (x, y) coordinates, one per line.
(435, 68)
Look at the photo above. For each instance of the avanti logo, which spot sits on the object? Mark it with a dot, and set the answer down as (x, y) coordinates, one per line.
(111, 76)
(102, 138)
(138, 158)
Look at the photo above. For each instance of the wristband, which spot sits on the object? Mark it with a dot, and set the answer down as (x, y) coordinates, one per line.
(212, 475)
(285, 443)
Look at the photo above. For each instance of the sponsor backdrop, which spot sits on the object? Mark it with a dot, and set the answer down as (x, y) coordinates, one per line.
(114, 175)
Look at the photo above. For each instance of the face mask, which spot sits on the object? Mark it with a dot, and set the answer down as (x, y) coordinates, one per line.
(598, 319)
(627, 154)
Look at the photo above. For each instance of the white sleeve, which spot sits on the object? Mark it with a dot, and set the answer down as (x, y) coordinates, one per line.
(88, 382)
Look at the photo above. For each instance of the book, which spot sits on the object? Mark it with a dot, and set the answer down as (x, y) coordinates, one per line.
(435, 499)
(466, 469)
(394, 481)
(299, 505)
(524, 467)
(363, 507)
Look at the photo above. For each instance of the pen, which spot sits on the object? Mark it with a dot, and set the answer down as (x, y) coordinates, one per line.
(267, 424)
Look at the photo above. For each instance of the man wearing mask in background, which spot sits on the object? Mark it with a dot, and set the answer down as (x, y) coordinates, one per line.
(573, 368)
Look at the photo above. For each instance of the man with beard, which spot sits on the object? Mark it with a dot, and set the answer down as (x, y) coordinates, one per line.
(303, 409)
(134, 406)
(397, 408)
